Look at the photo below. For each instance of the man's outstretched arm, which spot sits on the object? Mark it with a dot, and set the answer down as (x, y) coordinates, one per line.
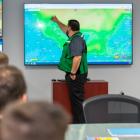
(62, 26)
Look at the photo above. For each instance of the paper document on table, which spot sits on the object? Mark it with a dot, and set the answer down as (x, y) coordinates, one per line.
(102, 138)
(124, 132)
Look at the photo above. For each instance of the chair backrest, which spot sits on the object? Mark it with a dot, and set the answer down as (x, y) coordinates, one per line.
(112, 109)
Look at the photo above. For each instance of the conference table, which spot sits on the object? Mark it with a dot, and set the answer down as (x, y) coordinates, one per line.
(81, 131)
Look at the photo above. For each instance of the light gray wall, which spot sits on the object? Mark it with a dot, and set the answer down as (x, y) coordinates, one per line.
(124, 78)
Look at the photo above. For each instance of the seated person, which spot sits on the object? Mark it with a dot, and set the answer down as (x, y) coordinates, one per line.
(4, 60)
(12, 86)
(34, 121)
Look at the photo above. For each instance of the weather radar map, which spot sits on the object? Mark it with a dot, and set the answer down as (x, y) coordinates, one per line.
(107, 29)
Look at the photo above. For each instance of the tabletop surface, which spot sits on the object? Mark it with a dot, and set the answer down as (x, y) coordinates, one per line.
(81, 131)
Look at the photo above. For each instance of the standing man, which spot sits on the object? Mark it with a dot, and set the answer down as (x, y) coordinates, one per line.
(74, 62)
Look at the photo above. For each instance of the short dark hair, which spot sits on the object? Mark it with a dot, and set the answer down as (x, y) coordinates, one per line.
(4, 60)
(12, 85)
(34, 121)
(74, 24)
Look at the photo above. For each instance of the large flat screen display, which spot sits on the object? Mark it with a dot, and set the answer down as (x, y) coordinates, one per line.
(1, 44)
(107, 29)
(1, 18)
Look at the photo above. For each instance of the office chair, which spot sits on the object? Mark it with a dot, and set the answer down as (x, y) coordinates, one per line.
(112, 109)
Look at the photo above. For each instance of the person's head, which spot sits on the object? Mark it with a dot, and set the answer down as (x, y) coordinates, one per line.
(12, 85)
(73, 26)
(34, 121)
(4, 60)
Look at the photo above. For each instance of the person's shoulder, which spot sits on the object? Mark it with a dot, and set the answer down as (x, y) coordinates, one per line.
(78, 38)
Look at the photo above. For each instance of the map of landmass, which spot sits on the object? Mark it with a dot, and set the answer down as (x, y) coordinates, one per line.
(108, 34)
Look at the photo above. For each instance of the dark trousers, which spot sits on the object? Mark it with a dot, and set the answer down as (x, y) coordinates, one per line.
(76, 92)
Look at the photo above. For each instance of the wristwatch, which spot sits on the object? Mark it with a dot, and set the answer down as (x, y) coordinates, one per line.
(72, 73)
